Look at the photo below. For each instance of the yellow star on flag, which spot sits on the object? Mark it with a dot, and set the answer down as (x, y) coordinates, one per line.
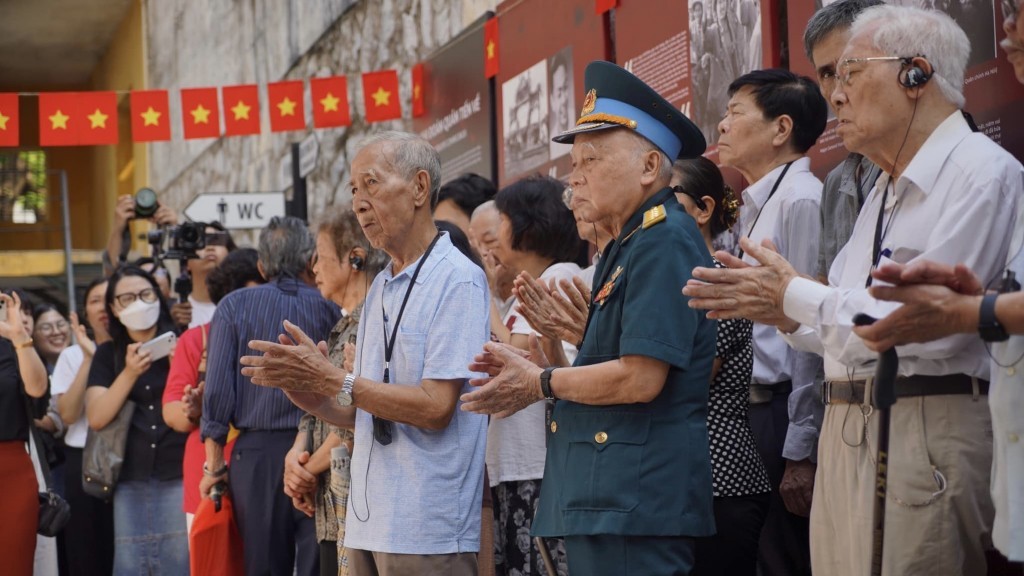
(150, 117)
(241, 111)
(381, 97)
(200, 115)
(490, 49)
(416, 92)
(59, 120)
(286, 106)
(330, 102)
(3, 121)
(97, 119)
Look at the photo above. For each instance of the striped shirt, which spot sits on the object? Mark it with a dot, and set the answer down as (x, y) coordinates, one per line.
(257, 313)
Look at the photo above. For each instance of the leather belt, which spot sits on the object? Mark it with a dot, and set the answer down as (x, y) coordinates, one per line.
(843, 392)
(763, 393)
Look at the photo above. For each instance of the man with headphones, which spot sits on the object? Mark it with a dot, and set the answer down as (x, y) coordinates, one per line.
(946, 194)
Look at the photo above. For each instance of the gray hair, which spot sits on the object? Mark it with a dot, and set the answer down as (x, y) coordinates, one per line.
(643, 146)
(409, 154)
(838, 16)
(286, 246)
(930, 34)
(343, 228)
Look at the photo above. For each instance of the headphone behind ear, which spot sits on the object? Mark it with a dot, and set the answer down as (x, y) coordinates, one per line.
(356, 262)
(914, 76)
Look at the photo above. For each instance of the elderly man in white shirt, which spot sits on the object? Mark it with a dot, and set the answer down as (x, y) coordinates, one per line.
(772, 119)
(948, 195)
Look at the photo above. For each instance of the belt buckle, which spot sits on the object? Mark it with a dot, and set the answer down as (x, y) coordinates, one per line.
(826, 392)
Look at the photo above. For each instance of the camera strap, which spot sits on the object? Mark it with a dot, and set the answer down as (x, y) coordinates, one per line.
(775, 188)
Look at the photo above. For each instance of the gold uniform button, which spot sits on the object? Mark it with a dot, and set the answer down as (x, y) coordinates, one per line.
(600, 437)
(1011, 371)
(554, 426)
(1013, 438)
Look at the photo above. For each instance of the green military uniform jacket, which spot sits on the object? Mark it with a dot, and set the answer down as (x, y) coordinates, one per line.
(638, 469)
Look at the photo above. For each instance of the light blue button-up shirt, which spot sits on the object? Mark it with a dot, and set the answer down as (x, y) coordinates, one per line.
(421, 494)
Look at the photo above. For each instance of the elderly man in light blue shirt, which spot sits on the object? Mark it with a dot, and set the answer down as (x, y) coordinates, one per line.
(417, 468)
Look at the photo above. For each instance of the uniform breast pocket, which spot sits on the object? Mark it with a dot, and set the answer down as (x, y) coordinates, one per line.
(603, 461)
(408, 357)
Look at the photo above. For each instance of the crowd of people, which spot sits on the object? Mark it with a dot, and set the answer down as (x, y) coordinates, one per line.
(553, 379)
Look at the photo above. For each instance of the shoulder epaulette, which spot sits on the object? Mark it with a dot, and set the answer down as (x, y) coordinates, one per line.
(654, 216)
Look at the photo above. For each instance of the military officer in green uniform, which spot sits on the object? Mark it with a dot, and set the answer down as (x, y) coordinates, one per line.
(627, 479)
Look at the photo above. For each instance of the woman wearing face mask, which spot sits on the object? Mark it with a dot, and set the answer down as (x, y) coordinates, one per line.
(149, 526)
(89, 542)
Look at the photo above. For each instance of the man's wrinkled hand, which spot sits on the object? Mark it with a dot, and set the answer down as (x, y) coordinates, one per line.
(513, 384)
(294, 363)
(298, 480)
(797, 487)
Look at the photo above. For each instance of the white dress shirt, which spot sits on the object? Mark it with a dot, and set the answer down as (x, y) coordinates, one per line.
(791, 219)
(956, 202)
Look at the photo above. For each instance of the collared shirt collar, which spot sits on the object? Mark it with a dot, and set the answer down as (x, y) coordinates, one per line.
(443, 246)
(924, 166)
(757, 193)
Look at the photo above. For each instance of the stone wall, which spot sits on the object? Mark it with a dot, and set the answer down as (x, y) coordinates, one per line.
(193, 43)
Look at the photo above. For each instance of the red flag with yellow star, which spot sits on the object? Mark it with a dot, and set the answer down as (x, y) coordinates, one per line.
(602, 6)
(151, 117)
(59, 122)
(380, 95)
(241, 109)
(330, 102)
(491, 48)
(419, 107)
(8, 119)
(199, 113)
(98, 113)
(287, 111)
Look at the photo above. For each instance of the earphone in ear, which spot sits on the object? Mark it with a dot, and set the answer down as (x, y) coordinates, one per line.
(914, 76)
(356, 262)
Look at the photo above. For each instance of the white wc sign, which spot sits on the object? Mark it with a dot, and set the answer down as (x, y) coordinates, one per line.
(237, 211)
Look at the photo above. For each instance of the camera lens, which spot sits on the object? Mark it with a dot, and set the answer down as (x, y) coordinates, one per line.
(145, 203)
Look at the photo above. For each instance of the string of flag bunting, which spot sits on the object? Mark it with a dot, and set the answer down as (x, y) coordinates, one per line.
(91, 118)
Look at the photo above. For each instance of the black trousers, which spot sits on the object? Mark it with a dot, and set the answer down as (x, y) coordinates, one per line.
(276, 537)
(328, 558)
(733, 549)
(785, 548)
(89, 534)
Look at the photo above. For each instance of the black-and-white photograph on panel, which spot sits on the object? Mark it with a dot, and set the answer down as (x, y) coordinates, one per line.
(561, 99)
(525, 118)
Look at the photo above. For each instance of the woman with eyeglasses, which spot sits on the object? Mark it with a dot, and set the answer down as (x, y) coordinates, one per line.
(149, 525)
(89, 542)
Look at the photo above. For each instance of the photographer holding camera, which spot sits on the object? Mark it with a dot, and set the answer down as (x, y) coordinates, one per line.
(202, 246)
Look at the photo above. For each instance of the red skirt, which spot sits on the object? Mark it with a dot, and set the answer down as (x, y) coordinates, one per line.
(19, 508)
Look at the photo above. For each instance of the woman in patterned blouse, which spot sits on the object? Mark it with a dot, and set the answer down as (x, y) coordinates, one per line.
(739, 479)
(344, 264)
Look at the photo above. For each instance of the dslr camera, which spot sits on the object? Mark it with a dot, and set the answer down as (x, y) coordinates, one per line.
(146, 204)
(183, 241)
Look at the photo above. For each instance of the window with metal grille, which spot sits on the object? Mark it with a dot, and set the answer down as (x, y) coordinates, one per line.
(23, 187)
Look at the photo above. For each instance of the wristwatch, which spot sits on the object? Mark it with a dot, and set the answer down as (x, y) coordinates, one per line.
(345, 395)
(545, 384)
(988, 327)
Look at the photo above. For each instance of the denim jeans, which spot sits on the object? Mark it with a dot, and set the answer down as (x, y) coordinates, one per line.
(149, 529)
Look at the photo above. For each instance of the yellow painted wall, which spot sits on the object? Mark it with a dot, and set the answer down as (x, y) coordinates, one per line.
(120, 169)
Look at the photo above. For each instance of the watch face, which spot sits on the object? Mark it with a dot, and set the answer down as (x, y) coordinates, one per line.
(344, 398)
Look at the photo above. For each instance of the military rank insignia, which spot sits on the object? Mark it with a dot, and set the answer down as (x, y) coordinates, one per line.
(606, 290)
(654, 215)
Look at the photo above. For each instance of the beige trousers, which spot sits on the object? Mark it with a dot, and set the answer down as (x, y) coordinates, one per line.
(363, 563)
(938, 513)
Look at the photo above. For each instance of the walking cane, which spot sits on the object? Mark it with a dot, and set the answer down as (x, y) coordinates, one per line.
(883, 397)
(545, 555)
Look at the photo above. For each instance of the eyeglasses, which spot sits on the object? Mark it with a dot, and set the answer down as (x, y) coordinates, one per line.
(844, 71)
(1011, 9)
(125, 300)
(567, 197)
(52, 327)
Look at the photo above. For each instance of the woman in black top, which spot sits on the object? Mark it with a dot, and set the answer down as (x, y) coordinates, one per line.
(21, 372)
(149, 525)
(738, 476)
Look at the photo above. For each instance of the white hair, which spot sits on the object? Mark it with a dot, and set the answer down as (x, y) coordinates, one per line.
(410, 154)
(643, 146)
(908, 32)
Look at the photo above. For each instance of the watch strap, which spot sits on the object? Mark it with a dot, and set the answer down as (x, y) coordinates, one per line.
(989, 327)
(545, 384)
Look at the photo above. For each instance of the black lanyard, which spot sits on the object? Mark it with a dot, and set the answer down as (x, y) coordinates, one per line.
(769, 199)
(876, 247)
(389, 345)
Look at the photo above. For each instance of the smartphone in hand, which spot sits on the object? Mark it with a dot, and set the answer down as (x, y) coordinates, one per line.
(161, 346)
